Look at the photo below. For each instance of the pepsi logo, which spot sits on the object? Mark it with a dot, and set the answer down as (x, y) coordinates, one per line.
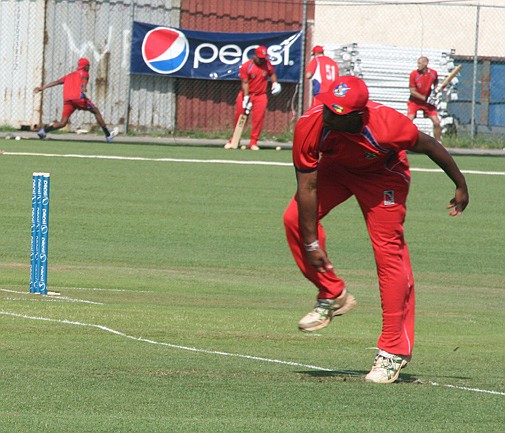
(165, 50)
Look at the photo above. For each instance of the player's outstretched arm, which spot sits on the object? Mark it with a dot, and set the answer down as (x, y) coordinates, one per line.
(439, 155)
(46, 86)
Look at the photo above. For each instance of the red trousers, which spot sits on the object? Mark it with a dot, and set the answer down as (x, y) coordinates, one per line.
(259, 106)
(382, 197)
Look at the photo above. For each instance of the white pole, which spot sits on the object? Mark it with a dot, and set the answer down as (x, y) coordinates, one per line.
(301, 86)
(474, 81)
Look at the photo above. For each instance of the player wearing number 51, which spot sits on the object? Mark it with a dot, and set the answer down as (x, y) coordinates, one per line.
(322, 70)
(254, 76)
(349, 146)
(422, 81)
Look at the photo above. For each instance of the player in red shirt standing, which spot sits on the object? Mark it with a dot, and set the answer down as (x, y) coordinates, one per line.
(322, 70)
(349, 146)
(254, 80)
(74, 98)
(421, 83)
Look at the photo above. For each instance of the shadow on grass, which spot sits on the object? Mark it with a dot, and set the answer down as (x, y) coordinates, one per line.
(355, 376)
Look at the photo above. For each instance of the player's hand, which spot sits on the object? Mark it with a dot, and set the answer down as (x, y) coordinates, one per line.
(319, 260)
(248, 108)
(459, 202)
(276, 88)
(430, 100)
(245, 101)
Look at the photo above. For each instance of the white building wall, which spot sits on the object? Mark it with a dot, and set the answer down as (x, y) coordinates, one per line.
(414, 23)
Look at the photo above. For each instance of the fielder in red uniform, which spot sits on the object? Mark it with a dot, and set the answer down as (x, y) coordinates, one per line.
(322, 70)
(74, 98)
(349, 146)
(254, 79)
(421, 83)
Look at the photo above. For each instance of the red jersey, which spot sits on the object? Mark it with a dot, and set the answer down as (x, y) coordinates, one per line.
(256, 75)
(423, 81)
(324, 71)
(74, 83)
(383, 140)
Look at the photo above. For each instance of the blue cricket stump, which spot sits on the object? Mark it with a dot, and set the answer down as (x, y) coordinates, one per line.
(40, 233)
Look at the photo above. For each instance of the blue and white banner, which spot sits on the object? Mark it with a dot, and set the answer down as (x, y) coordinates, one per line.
(183, 53)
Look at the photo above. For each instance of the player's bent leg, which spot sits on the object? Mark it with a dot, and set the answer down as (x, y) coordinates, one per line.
(329, 285)
(412, 110)
(437, 128)
(42, 133)
(325, 310)
(98, 117)
(62, 123)
(333, 300)
(109, 135)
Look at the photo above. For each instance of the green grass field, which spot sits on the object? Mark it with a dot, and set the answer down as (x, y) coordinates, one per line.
(179, 300)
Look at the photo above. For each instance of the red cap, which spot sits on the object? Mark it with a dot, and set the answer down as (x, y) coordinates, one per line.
(261, 52)
(82, 63)
(317, 49)
(346, 95)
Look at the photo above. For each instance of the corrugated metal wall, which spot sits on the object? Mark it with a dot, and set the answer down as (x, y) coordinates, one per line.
(153, 98)
(45, 38)
(209, 105)
(21, 30)
(101, 31)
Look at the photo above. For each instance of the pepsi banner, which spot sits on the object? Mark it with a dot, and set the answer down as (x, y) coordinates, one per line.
(183, 53)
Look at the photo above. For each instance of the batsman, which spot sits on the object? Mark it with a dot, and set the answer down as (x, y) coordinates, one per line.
(348, 146)
(254, 76)
(421, 83)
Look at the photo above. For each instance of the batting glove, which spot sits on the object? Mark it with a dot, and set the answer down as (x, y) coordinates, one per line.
(245, 102)
(248, 108)
(431, 101)
(276, 88)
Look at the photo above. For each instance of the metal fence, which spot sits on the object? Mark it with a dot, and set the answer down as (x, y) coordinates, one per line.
(45, 39)
(388, 36)
(41, 40)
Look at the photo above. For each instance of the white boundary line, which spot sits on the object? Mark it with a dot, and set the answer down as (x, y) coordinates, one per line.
(215, 161)
(138, 158)
(234, 355)
(48, 298)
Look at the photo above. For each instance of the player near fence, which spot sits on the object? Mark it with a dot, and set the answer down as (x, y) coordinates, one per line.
(421, 83)
(350, 146)
(254, 76)
(321, 70)
(74, 98)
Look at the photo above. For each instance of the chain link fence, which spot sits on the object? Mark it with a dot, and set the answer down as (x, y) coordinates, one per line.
(379, 40)
(382, 40)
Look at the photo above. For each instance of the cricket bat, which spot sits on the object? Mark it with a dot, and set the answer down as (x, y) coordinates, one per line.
(239, 127)
(448, 79)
